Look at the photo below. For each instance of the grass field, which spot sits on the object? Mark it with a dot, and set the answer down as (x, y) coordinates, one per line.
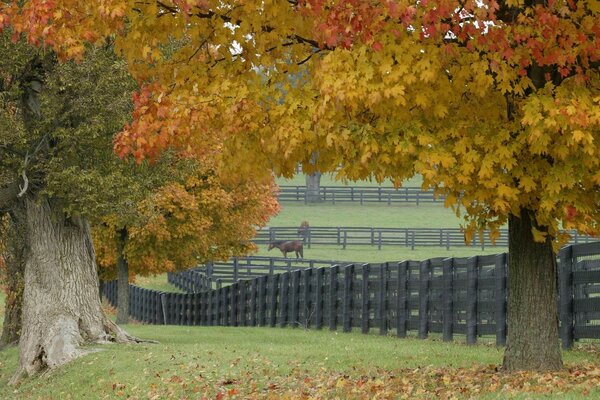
(275, 363)
(367, 215)
(215, 362)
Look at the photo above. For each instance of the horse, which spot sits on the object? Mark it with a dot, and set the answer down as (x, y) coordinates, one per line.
(304, 230)
(288, 246)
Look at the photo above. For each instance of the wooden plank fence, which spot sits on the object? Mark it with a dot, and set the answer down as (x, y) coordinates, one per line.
(345, 236)
(362, 194)
(449, 296)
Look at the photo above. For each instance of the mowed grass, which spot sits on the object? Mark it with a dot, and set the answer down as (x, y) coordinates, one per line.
(215, 362)
(367, 215)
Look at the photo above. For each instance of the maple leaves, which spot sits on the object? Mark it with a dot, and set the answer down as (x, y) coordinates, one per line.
(181, 225)
(66, 26)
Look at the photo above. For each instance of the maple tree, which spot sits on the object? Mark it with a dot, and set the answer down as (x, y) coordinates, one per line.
(494, 103)
(204, 217)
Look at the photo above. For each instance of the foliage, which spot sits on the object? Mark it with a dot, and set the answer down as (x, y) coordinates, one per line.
(382, 88)
(293, 363)
(180, 225)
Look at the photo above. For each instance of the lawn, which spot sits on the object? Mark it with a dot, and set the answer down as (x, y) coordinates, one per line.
(366, 215)
(216, 362)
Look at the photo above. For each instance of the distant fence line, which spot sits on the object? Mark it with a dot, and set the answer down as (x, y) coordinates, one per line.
(448, 296)
(362, 194)
(372, 236)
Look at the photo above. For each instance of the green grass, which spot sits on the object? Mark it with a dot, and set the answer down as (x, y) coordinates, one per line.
(371, 215)
(372, 254)
(208, 359)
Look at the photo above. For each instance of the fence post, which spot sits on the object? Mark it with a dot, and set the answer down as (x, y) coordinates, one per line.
(448, 301)
(472, 272)
(318, 295)
(283, 312)
(262, 320)
(242, 301)
(402, 300)
(210, 307)
(383, 296)
(307, 312)
(333, 296)
(163, 304)
(253, 308)
(412, 243)
(294, 297)
(273, 296)
(347, 299)
(566, 296)
(345, 239)
(364, 323)
(236, 269)
(379, 243)
(233, 303)
(500, 297)
(424, 283)
(225, 304)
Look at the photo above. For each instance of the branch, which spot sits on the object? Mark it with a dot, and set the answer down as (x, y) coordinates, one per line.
(25, 180)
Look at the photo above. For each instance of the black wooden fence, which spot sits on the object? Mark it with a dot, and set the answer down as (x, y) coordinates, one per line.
(362, 194)
(450, 296)
(374, 236)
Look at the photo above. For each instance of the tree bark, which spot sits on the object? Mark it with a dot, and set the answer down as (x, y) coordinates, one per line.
(61, 307)
(313, 188)
(532, 319)
(14, 258)
(122, 282)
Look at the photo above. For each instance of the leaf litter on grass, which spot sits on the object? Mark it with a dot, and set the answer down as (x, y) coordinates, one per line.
(258, 378)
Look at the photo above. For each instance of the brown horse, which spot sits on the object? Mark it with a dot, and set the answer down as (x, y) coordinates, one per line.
(288, 246)
(304, 230)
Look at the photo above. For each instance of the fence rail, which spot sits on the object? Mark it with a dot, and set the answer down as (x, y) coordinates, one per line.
(362, 194)
(381, 237)
(450, 296)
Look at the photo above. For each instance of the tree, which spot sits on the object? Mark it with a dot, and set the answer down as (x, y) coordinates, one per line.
(494, 103)
(57, 171)
(203, 218)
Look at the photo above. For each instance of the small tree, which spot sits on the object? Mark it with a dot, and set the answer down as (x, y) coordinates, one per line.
(182, 224)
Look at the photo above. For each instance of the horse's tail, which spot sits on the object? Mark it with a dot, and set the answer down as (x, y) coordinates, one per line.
(301, 251)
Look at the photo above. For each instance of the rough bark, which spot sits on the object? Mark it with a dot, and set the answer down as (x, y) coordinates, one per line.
(61, 307)
(313, 188)
(122, 282)
(14, 257)
(532, 340)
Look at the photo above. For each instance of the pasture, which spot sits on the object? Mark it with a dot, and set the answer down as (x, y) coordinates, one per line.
(216, 362)
(274, 363)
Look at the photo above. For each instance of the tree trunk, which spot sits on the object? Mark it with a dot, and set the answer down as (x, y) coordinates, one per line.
(61, 307)
(14, 257)
(532, 341)
(122, 282)
(313, 188)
